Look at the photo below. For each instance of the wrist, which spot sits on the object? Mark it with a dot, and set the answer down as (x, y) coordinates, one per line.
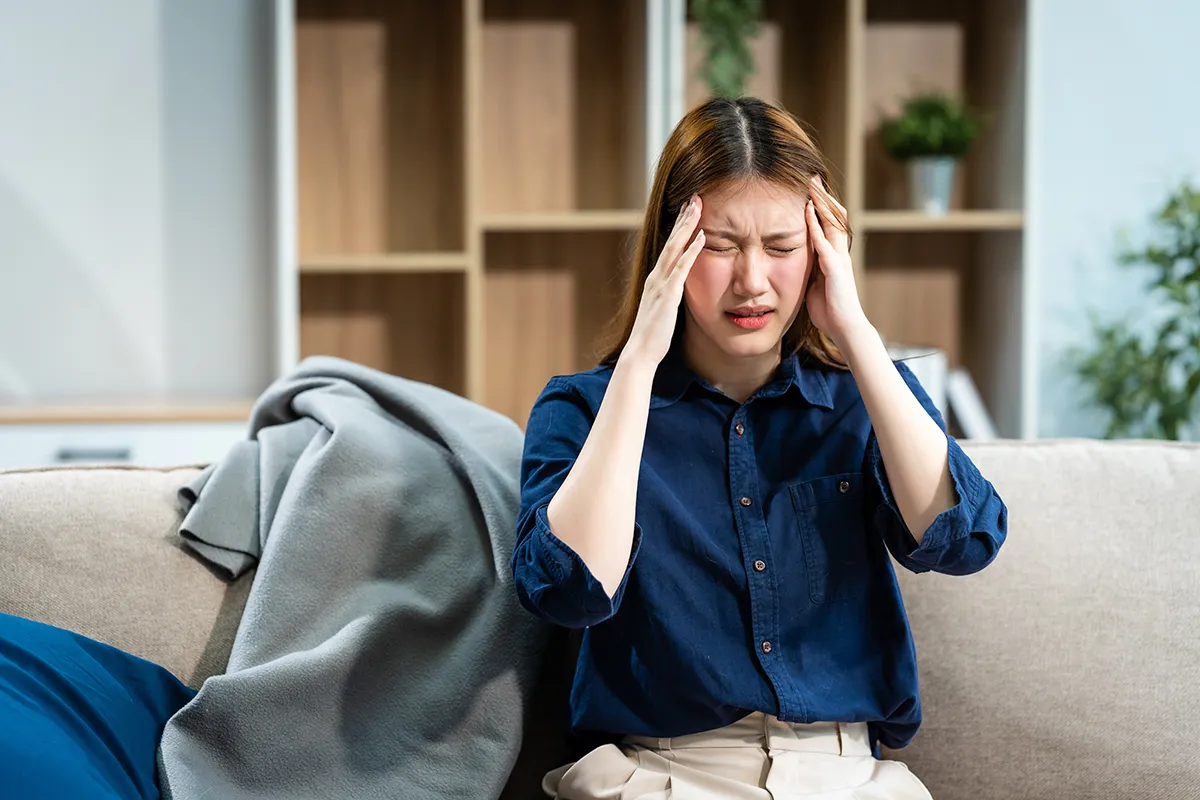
(858, 341)
(636, 365)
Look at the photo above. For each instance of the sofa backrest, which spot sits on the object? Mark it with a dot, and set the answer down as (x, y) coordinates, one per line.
(94, 550)
(1070, 667)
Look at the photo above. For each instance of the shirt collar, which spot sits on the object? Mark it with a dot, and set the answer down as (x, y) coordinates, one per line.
(674, 377)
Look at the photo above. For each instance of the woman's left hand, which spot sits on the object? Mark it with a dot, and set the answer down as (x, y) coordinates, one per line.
(832, 297)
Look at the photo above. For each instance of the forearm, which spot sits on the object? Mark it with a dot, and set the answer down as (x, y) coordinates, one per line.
(913, 447)
(593, 511)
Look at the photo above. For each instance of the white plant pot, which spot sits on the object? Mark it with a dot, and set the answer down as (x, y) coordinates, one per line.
(931, 183)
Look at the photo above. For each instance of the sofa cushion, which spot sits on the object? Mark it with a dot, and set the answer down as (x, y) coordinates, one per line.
(94, 550)
(1068, 667)
(79, 718)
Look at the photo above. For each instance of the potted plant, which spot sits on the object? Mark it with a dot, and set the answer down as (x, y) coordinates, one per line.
(930, 135)
(1145, 372)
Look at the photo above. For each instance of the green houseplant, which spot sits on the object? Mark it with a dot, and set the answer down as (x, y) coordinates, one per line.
(726, 27)
(930, 134)
(1146, 375)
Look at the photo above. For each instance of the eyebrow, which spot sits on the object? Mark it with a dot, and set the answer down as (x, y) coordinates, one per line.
(770, 237)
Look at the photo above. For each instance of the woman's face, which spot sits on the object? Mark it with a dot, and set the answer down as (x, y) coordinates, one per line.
(748, 282)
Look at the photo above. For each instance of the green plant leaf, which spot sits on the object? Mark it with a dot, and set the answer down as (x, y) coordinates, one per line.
(930, 124)
(1148, 379)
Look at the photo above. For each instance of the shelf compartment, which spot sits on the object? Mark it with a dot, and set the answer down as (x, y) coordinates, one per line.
(380, 149)
(562, 113)
(410, 325)
(959, 291)
(549, 298)
(971, 51)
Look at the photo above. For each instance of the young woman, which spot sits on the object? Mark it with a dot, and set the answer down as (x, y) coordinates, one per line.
(715, 503)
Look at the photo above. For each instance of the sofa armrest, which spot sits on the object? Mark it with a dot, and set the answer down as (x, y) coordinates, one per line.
(94, 550)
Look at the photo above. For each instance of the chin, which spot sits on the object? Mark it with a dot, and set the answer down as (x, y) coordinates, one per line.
(748, 345)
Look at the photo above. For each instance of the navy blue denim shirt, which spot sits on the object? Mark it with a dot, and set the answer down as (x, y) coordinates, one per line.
(758, 578)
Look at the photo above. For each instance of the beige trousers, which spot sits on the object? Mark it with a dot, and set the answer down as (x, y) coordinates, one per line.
(756, 758)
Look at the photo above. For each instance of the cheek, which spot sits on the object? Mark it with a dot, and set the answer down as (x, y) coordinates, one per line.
(790, 279)
(706, 284)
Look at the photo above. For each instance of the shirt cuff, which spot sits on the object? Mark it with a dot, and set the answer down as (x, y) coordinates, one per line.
(950, 525)
(571, 574)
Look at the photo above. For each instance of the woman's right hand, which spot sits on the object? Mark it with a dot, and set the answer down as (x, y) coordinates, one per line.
(654, 325)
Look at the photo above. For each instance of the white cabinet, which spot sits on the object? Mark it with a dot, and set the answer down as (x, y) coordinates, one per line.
(154, 444)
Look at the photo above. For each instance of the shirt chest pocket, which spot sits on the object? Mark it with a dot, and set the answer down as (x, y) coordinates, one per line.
(829, 511)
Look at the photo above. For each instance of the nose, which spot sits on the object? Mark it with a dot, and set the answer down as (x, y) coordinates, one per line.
(750, 273)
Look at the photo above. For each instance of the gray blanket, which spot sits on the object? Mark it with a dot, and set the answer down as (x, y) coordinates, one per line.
(382, 653)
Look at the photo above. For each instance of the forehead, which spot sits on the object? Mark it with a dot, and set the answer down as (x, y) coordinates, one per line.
(754, 201)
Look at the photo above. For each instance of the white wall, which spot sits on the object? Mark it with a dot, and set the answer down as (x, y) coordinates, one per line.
(1114, 94)
(134, 199)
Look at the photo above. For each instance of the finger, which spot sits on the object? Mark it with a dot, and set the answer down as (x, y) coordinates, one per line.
(685, 224)
(684, 265)
(824, 203)
(825, 250)
(827, 195)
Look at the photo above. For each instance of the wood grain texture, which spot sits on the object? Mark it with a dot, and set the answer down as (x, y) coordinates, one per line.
(917, 221)
(916, 306)
(380, 116)
(529, 138)
(407, 325)
(596, 260)
(607, 69)
(530, 324)
(341, 136)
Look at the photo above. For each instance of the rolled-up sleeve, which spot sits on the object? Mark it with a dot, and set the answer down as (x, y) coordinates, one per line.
(551, 580)
(964, 538)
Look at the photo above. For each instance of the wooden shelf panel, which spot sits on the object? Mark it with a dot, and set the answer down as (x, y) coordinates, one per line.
(550, 296)
(385, 263)
(561, 122)
(979, 220)
(564, 221)
(106, 412)
(405, 324)
(380, 145)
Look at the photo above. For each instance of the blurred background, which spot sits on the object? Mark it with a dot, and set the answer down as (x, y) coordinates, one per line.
(196, 194)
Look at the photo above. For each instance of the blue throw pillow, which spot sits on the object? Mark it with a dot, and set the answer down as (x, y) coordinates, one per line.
(78, 719)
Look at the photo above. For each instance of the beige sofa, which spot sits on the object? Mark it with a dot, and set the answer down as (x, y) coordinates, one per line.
(1070, 668)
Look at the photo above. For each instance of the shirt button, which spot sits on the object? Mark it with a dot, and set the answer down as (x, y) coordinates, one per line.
(844, 487)
(760, 565)
(739, 429)
(766, 647)
(745, 501)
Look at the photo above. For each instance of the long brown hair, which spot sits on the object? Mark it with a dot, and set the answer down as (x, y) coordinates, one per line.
(726, 140)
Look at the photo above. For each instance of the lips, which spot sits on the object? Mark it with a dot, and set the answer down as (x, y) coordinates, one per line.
(750, 318)
(750, 311)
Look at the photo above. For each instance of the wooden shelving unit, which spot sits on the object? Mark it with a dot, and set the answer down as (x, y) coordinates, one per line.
(471, 175)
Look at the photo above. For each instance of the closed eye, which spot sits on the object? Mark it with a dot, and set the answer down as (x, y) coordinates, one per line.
(783, 250)
(712, 249)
